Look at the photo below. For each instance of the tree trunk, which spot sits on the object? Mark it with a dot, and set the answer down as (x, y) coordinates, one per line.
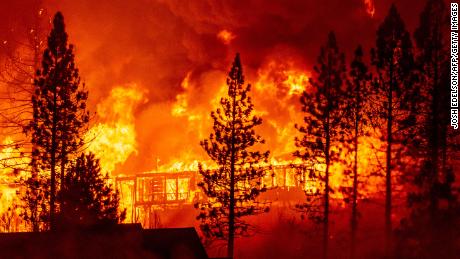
(33, 202)
(326, 180)
(434, 149)
(326, 204)
(53, 163)
(388, 198)
(434, 124)
(354, 212)
(231, 220)
(63, 158)
(61, 177)
(34, 167)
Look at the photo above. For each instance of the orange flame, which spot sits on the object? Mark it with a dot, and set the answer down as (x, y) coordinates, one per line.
(114, 140)
(13, 165)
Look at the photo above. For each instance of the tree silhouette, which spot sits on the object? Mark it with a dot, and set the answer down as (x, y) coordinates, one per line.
(59, 109)
(233, 187)
(17, 73)
(87, 199)
(323, 129)
(394, 99)
(8, 219)
(20, 62)
(431, 38)
(35, 206)
(431, 224)
(357, 91)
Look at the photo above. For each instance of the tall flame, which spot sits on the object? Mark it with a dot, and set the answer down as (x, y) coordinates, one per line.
(114, 140)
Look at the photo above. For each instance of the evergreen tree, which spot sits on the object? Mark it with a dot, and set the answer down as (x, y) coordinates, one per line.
(431, 38)
(323, 129)
(430, 230)
(35, 206)
(395, 95)
(233, 187)
(87, 199)
(59, 110)
(357, 91)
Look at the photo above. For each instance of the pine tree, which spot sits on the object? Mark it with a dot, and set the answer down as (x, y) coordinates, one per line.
(431, 38)
(35, 206)
(395, 95)
(233, 187)
(87, 199)
(430, 229)
(59, 110)
(323, 129)
(357, 91)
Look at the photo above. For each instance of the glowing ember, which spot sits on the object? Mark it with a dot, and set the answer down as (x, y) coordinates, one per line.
(370, 7)
(226, 36)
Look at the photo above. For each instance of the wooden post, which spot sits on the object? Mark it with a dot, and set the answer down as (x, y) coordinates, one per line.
(177, 188)
(133, 213)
